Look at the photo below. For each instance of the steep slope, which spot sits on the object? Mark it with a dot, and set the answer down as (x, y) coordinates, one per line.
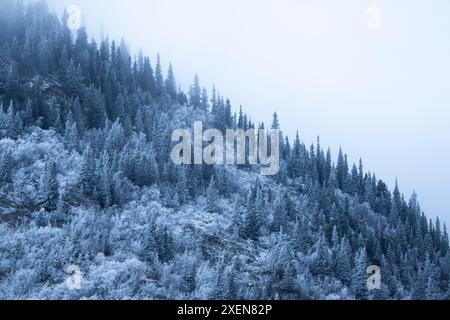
(86, 180)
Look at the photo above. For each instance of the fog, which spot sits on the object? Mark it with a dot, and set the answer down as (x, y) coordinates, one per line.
(377, 84)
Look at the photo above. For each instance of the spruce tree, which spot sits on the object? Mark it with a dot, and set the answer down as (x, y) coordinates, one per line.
(225, 282)
(195, 94)
(171, 85)
(275, 122)
(341, 170)
(211, 196)
(204, 100)
(159, 79)
(321, 264)
(71, 133)
(87, 173)
(50, 186)
(281, 212)
(6, 168)
(359, 277)
(343, 262)
(181, 185)
(250, 228)
(104, 188)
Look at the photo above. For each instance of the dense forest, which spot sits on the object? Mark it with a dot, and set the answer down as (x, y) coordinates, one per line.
(86, 180)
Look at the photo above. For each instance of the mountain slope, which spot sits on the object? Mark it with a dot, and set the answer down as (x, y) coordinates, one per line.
(86, 180)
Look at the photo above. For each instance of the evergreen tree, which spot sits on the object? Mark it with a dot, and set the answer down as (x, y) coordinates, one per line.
(341, 170)
(50, 187)
(73, 80)
(421, 283)
(250, 228)
(321, 264)
(225, 288)
(204, 100)
(94, 106)
(343, 262)
(139, 122)
(281, 213)
(171, 85)
(87, 173)
(181, 185)
(195, 94)
(71, 133)
(159, 79)
(105, 194)
(6, 168)
(211, 196)
(359, 278)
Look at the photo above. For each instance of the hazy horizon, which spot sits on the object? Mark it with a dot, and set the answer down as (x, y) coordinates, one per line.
(381, 93)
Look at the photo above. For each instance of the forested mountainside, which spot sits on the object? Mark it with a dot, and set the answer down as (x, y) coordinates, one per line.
(86, 180)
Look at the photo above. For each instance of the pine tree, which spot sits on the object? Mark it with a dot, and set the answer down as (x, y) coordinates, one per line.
(296, 167)
(359, 278)
(147, 78)
(149, 251)
(44, 57)
(87, 173)
(73, 80)
(181, 185)
(354, 178)
(432, 290)
(213, 101)
(445, 242)
(171, 85)
(275, 122)
(236, 224)
(139, 122)
(343, 263)
(50, 187)
(94, 106)
(159, 79)
(281, 212)
(164, 244)
(421, 287)
(341, 170)
(71, 133)
(361, 179)
(104, 193)
(211, 196)
(321, 264)
(283, 278)
(195, 94)
(241, 120)
(394, 214)
(6, 168)
(225, 290)
(228, 117)
(152, 166)
(250, 228)
(437, 235)
(7, 122)
(204, 100)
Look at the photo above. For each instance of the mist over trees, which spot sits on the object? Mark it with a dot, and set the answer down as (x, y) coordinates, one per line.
(86, 180)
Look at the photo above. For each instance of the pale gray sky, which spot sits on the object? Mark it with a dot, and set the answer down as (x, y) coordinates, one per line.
(382, 94)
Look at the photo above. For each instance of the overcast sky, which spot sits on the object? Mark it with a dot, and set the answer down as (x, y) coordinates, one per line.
(376, 84)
